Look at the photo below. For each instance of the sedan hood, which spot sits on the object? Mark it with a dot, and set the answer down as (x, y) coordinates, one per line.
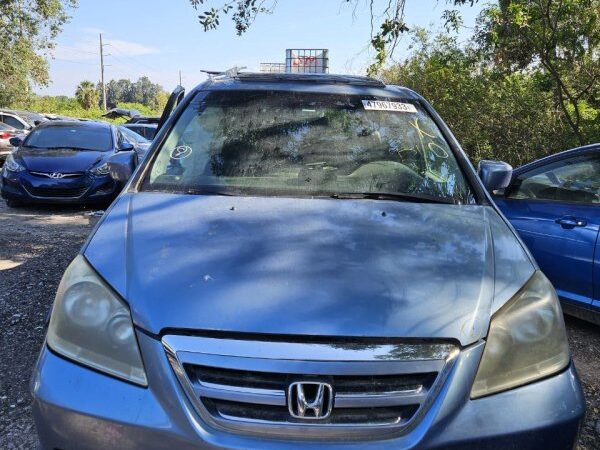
(363, 268)
(59, 160)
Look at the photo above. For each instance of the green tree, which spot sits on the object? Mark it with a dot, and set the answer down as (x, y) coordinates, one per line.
(87, 95)
(142, 91)
(493, 114)
(558, 38)
(27, 32)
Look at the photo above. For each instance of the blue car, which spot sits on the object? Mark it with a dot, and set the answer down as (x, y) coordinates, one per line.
(306, 261)
(554, 204)
(66, 162)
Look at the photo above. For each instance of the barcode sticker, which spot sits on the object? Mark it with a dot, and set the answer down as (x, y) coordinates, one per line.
(381, 105)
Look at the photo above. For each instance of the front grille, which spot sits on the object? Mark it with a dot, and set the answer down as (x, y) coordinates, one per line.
(244, 386)
(57, 192)
(236, 411)
(57, 175)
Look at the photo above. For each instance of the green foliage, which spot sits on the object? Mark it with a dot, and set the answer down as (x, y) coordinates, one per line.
(142, 91)
(87, 95)
(558, 39)
(27, 32)
(70, 107)
(494, 114)
(244, 12)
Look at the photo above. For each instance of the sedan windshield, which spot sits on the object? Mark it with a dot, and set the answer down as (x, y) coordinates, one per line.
(75, 136)
(307, 144)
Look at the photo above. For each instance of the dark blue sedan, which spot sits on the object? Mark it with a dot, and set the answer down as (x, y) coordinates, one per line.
(66, 162)
(554, 203)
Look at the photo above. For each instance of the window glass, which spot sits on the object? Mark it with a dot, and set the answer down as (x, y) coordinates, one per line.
(9, 120)
(572, 180)
(80, 137)
(133, 136)
(306, 144)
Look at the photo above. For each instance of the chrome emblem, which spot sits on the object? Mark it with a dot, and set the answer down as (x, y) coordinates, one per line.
(57, 175)
(310, 400)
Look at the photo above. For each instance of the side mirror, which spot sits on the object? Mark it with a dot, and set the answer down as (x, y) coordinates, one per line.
(15, 141)
(121, 166)
(494, 174)
(126, 147)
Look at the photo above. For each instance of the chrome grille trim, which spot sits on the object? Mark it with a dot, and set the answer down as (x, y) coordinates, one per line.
(224, 406)
(64, 175)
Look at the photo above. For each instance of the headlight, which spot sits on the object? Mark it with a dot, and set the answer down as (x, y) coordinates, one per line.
(92, 326)
(527, 340)
(12, 165)
(101, 170)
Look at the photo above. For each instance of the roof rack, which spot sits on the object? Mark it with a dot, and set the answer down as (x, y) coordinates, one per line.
(309, 78)
(230, 73)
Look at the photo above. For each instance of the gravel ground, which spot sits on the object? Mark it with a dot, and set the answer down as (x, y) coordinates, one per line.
(37, 244)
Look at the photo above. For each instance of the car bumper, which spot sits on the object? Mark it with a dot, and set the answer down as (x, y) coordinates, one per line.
(24, 187)
(76, 407)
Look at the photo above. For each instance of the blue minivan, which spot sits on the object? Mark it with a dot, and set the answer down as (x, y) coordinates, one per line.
(306, 261)
(554, 204)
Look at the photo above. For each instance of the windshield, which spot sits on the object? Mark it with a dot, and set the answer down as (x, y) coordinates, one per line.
(133, 136)
(306, 144)
(80, 137)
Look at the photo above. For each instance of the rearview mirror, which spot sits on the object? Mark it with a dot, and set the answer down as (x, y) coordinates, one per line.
(494, 174)
(15, 141)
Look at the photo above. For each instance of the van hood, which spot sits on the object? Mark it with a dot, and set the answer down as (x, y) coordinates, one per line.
(326, 267)
(63, 160)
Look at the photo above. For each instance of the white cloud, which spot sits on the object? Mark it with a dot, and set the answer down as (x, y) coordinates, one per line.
(89, 49)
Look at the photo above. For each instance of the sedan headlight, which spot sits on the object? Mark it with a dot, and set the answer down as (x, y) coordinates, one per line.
(12, 165)
(91, 325)
(526, 341)
(101, 170)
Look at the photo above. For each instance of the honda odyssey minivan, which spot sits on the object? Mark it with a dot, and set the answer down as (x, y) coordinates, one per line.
(306, 261)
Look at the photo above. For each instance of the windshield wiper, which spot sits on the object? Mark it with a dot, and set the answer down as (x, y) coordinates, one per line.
(418, 198)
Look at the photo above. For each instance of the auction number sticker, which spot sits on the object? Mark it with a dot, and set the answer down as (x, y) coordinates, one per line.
(380, 105)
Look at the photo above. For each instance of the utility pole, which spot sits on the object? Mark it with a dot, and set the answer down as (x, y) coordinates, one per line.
(102, 74)
(180, 78)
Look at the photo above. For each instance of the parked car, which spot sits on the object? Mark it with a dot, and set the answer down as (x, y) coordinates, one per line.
(554, 204)
(139, 142)
(6, 132)
(66, 162)
(306, 261)
(145, 129)
(21, 120)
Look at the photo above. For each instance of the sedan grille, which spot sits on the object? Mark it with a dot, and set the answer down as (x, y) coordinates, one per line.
(247, 386)
(57, 192)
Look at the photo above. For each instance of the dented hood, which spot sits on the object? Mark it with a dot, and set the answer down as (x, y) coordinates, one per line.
(308, 266)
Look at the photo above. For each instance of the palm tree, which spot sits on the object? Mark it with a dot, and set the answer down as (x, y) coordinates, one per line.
(87, 94)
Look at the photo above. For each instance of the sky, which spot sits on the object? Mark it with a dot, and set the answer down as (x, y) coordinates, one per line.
(159, 38)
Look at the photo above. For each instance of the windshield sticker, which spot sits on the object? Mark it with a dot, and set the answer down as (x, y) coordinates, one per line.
(380, 105)
(181, 151)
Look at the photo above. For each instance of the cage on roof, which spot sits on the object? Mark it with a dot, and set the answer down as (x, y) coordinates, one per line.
(307, 60)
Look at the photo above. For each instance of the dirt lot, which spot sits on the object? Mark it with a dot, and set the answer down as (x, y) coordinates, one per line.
(37, 244)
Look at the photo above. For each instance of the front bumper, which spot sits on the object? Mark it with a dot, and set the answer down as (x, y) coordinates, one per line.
(27, 188)
(76, 407)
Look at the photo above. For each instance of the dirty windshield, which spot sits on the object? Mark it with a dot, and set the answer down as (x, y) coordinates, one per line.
(306, 144)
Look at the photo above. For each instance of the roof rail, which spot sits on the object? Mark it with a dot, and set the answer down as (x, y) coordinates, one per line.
(310, 78)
